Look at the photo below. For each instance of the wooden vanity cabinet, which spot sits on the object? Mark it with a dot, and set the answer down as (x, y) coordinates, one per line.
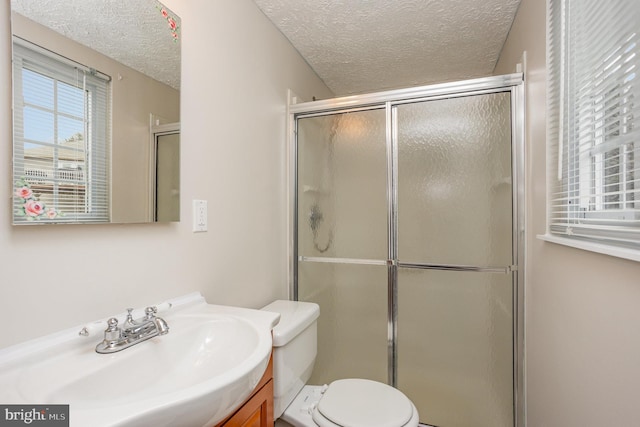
(257, 410)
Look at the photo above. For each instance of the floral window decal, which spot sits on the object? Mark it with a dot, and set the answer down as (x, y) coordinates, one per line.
(171, 21)
(28, 204)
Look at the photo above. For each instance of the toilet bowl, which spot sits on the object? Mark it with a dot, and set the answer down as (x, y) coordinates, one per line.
(352, 402)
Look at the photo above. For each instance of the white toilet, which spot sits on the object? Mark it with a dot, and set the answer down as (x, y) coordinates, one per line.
(343, 403)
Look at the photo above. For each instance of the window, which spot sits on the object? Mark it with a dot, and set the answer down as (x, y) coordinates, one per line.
(61, 138)
(594, 121)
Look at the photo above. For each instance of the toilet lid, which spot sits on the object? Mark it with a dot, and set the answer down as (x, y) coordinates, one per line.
(359, 402)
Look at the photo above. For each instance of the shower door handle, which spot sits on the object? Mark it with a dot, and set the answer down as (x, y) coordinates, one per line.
(452, 267)
(421, 266)
(345, 260)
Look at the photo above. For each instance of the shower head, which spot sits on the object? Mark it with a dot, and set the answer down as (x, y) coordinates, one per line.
(315, 217)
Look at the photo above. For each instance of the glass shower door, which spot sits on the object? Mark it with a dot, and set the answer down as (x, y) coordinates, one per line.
(404, 236)
(342, 240)
(454, 257)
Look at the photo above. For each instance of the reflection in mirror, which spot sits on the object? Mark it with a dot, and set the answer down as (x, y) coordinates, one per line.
(89, 99)
(167, 168)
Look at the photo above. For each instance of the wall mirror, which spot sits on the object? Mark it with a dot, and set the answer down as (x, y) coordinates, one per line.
(95, 83)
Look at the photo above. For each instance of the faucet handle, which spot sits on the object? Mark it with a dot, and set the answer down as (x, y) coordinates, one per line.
(112, 324)
(112, 333)
(150, 312)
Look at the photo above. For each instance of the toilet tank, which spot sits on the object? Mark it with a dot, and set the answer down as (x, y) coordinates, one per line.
(295, 345)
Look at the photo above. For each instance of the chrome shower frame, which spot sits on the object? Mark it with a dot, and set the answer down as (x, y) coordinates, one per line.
(386, 100)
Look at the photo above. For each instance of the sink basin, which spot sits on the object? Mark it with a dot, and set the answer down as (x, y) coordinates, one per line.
(197, 375)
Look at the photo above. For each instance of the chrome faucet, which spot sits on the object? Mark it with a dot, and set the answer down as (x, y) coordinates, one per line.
(132, 332)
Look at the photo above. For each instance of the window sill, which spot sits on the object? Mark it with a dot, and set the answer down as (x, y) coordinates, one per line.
(631, 254)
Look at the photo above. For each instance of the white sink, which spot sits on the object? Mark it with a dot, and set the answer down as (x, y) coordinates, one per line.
(196, 375)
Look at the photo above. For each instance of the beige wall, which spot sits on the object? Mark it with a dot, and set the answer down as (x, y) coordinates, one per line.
(134, 97)
(236, 69)
(582, 316)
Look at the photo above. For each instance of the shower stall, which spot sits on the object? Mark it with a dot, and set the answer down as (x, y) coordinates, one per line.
(407, 230)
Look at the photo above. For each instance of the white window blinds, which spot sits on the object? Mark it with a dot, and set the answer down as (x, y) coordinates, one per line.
(594, 120)
(61, 139)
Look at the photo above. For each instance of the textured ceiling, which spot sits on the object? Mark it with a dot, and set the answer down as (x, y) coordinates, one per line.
(133, 32)
(359, 46)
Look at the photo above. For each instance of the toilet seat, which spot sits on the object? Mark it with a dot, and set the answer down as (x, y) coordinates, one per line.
(360, 402)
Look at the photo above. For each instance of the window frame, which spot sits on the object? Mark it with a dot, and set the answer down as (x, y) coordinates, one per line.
(588, 197)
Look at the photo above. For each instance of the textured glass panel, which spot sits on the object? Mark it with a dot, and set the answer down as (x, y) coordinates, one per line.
(454, 181)
(455, 354)
(352, 328)
(342, 186)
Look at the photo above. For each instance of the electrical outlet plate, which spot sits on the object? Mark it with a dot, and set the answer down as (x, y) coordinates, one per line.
(199, 216)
